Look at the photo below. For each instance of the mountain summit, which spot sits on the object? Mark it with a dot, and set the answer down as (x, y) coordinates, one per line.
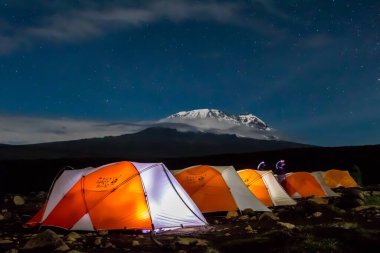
(249, 120)
(218, 122)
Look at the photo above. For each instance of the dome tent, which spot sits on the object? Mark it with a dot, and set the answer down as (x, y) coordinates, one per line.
(122, 195)
(217, 189)
(304, 184)
(337, 178)
(265, 187)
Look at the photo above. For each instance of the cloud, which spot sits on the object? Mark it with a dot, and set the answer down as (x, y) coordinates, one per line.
(28, 130)
(90, 22)
(270, 7)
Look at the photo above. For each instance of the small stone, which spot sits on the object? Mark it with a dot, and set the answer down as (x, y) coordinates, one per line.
(319, 201)
(109, 245)
(98, 241)
(182, 251)
(72, 236)
(286, 225)
(248, 211)
(103, 232)
(231, 214)
(18, 200)
(244, 217)
(135, 243)
(2, 217)
(317, 214)
(268, 216)
(253, 218)
(249, 229)
(140, 236)
(227, 234)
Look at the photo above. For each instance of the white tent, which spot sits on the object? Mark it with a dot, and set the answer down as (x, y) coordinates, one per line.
(265, 187)
(123, 195)
(217, 188)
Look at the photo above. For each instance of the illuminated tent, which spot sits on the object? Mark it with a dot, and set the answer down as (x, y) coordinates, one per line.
(217, 188)
(265, 187)
(337, 178)
(123, 195)
(305, 184)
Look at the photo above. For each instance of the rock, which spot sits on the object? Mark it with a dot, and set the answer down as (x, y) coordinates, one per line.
(249, 229)
(110, 245)
(47, 240)
(354, 193)
(286, 225)
(317, 214)
(244, 217)
(227, 234)
(140, 236)
(182, 251)
(12, 251)
(103, 232)
(253, 218)
(211, 250)
(72, 236)
(18, 200)
(5, 241)
(135, 243)
(2, 217)
(362, 208)
(319, 201)
(268, 216)
(191, 241)
(248, 211)
(98, 241)
(231, 214)
(74, 251)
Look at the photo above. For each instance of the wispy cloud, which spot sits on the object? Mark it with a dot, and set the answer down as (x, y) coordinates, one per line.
(28, 130)
(90, 22)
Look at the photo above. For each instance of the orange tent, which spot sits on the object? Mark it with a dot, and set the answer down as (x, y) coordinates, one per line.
(217, 188)
(265, 187)
(123, 195)
(305, 184)
(338, 178)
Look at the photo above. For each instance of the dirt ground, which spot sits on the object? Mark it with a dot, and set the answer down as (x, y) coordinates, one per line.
(350, 223)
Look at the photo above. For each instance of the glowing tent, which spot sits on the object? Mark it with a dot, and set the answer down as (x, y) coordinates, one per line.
(123, 195)
(305, 184)
(265, 187)
(217, 188)
(337, 178)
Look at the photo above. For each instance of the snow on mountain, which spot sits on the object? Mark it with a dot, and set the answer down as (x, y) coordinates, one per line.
(27, 130)
(242, 119)
(219, 122)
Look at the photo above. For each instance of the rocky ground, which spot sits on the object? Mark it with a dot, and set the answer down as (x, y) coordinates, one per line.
(349, 223)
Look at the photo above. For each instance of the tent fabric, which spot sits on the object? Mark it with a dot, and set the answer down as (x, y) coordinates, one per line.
(217, 188)
(123, 195)
(305, 184)
(337, 178)
(265, 187)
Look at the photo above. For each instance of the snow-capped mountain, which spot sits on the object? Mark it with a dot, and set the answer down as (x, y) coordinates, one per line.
(24, 130)
(241, 119)
(219, 122)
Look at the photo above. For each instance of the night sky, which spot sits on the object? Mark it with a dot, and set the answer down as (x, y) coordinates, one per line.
(310, 69)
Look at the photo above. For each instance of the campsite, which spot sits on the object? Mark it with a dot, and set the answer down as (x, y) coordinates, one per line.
(189, 126)
(302, 224)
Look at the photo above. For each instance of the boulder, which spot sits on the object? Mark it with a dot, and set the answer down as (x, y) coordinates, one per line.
(46, 240)
(72, 236)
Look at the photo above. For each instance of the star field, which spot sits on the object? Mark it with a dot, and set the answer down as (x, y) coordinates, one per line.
(310, 69)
